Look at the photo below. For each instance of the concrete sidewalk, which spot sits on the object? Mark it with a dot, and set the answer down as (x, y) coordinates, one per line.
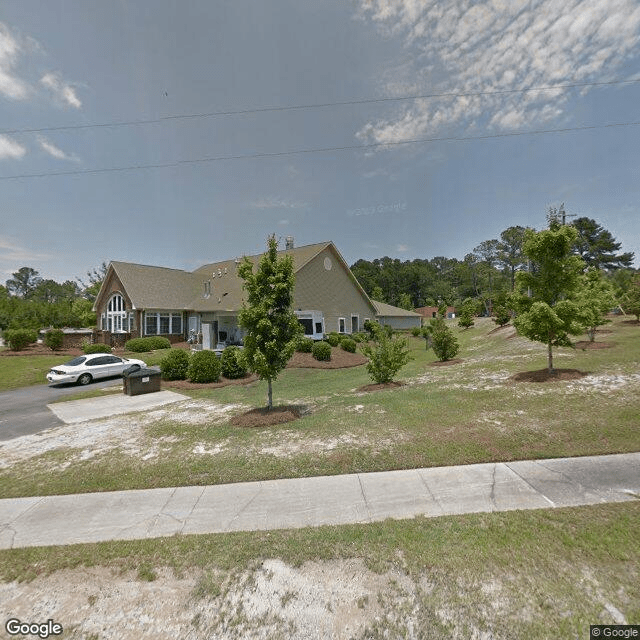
(326, 500)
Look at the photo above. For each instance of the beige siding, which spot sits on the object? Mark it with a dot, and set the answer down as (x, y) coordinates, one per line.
(400, 322)
(334, 292)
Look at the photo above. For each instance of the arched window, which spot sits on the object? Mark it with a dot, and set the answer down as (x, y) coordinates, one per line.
(116, 315)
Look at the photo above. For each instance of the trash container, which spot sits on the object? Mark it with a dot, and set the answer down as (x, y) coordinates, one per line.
(138, 380)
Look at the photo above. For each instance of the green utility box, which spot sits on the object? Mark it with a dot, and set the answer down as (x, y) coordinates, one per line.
(137, 381)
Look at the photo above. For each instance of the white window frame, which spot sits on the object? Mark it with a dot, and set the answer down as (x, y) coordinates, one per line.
(115, 314)
(156, 317)
(344, 325)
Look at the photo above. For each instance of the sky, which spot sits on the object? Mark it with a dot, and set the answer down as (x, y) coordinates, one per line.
(177, 134)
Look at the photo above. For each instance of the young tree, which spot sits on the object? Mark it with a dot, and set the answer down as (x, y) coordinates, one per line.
(631, 300)
(550, 315)
(386, 357)
(268, 318)
(595, 299)
(467, 313)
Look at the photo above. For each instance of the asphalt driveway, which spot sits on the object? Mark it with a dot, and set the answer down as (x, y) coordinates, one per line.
(24, 411)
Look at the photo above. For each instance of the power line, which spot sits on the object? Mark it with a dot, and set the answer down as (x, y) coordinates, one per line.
(300, 107)
(277, 154)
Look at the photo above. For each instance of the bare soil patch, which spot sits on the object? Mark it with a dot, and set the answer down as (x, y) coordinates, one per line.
(381, 386)
(445, 363)
(340, 359)
(264, 417)
(41, 350)
(587, 344)
(504, 326)
(543, 375)
(224, 382)
(630, 322)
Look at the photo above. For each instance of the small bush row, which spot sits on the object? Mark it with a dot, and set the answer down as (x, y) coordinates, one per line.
(98, 347)
(203, 366)
(150, 343)
(322, 351)
(18, 339)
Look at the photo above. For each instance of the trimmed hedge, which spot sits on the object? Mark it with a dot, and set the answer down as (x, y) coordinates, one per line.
(204, 367)
(333, 339)
(98, 347)
(304, 345)
(348, 345)
(233, 363)
(150, 343)
(174, 365)
(18, 339)
(54, 338)
(322, 351)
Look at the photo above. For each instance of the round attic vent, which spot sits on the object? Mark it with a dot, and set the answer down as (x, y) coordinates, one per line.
(327, 264)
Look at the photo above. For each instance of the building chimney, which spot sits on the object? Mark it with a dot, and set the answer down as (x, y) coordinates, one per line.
(288, 242)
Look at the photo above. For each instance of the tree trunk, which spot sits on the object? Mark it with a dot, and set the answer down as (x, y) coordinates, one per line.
(270, 404)
(550, 358)
(591, 332)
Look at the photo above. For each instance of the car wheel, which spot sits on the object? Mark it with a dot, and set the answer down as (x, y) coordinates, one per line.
(85, 378)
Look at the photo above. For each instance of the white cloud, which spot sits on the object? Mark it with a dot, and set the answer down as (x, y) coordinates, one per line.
(60, 89)
(11, 85)
(9, 148)
(493, 45)
(271, 202)
(402, 248)
(54, 151)
(283, 222)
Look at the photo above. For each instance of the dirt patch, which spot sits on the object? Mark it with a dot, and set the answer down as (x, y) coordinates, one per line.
(264, 417)
(630, 322)
(587, 344)
(543, 375)
(504, 326)
(445, 363)
(41, 350)
(381, 386)
(340, 359)
(224, 382)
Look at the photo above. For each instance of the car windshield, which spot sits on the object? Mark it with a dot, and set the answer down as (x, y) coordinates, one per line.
(75, 362)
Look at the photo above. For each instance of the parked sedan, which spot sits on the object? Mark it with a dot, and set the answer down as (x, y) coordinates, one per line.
(84, 369)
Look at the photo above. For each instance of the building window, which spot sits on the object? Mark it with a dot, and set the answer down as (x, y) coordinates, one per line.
(307, 323)
(151, 324)
(116, 316)
(176, 323)
(318, 327)
(164, 323)
(341, 323)
(156, 323)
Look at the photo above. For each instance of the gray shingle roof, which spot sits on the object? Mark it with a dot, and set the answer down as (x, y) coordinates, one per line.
(384, 309)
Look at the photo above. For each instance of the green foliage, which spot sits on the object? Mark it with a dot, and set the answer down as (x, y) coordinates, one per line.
(595, 299)
(386, 357)
(304, 344)
(272, 328)
(405, 302)
(372, 329)
(502, 315)
(442, 309)
(550, 315)
(150, 343)
(333, 339)
(18, 339)
(597, 247)
(348, 345)
(81, 309)
(175, 364)
(416, 331)
(444, 344)
(53, 339)
(97, 347)
(631, 299)
(204, 366)
(467, 313)
(233, 363)
(321, 351)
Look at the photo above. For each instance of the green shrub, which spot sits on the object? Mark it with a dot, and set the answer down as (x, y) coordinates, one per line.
(174, 365)
(97, 347)
(386, 357)
(333, 339)
(502, 315)
(359, 337)
(204, 367)
(149, 343)
(348, 345)
(233, 363)
(416, 332)
(54, 338)
(18, 339)
(322, 351)
(305, 345)
(444, 344)
(372, 329)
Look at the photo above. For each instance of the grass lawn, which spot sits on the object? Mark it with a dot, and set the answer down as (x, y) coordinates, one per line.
(457, 414)
(529, 575)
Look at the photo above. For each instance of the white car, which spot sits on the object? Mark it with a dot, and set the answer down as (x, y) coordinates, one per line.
(84, 369)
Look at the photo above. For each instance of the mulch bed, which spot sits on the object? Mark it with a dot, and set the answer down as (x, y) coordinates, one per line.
(543, 375)
(381, 386)
(340, 359)
(42, 350)
(587, 344)
(224, 382)
(264, 417)
(445, 363)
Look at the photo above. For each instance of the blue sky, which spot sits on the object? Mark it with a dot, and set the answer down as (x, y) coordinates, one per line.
(89, 62)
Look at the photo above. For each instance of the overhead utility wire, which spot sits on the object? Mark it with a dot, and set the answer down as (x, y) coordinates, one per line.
(276, 154)
(299, 107)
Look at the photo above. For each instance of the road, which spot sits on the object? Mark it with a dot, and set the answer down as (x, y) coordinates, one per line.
(24, 411)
